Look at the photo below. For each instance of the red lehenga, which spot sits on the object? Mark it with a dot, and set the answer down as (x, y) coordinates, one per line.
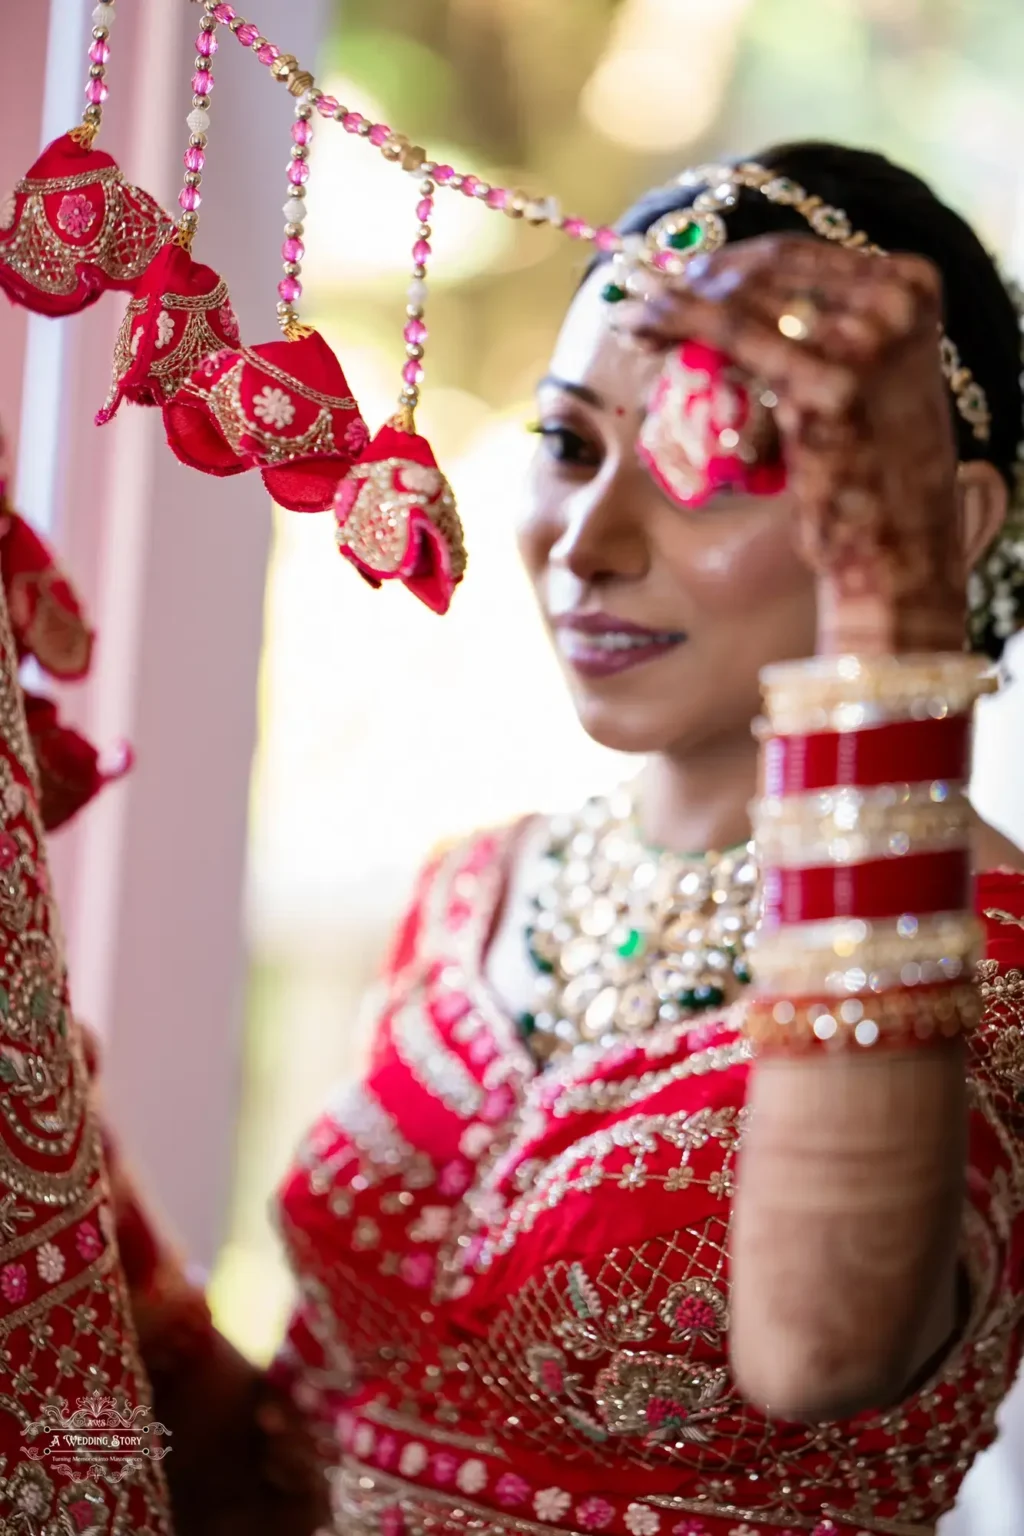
(514, 1284)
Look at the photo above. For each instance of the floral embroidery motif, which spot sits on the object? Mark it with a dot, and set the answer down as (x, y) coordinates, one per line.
(164, 329)
(471, 1477)
(228, 321)
(512, 1490)
(413, 1459)
(275, 407)
(659, 1399)
(594, 1514)
(14, 1283)
(76, 215)
(642, 1520)
(551, 1503)
(694, 1309)
(547, 1368)
(356, 436)
(50, 1263)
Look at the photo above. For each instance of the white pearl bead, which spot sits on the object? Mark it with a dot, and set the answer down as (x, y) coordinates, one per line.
(104, 16)
(417, 292)
(552, 209)
(198, 120)
(295, 210)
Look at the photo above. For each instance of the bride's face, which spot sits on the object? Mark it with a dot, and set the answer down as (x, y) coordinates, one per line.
(662, 617)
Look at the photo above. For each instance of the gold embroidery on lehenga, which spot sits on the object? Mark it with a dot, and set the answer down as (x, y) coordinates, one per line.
(434, 1066)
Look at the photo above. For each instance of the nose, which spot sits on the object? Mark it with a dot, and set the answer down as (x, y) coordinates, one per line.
(601, 536)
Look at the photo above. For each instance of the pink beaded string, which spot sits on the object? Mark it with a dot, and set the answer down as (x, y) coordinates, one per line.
(96, 88)
(415, 333)
(289, 289)
(413, 158)
(198, 120)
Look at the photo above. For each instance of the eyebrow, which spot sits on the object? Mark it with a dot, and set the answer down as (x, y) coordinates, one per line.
(581, 391)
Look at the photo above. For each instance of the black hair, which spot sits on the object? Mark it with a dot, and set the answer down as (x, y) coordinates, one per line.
(900, 212)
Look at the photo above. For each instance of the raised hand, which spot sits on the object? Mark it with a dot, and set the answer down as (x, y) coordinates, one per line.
(848, 342)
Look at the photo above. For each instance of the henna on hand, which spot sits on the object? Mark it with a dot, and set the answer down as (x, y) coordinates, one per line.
(864, 419)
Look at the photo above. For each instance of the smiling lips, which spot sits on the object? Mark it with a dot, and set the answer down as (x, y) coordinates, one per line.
(598, 644)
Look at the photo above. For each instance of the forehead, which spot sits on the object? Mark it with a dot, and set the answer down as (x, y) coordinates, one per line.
(589, 351)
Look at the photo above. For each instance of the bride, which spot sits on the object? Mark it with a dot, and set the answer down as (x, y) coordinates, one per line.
(540, 1288)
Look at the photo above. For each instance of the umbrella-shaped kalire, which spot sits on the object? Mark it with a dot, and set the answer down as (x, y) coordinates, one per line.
(74, 226)
(395, 510)
(281, 407)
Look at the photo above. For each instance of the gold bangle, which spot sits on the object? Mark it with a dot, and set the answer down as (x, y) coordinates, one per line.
(893, 1019)
(844, 693)
(843, 826)
(845, 956)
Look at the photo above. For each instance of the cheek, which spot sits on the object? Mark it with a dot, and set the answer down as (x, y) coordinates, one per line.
(744, 562)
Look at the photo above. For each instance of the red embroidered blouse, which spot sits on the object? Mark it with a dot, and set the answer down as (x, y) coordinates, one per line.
(514, 1284)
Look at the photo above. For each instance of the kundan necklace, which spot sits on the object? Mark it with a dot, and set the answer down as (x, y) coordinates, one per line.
(624, 937)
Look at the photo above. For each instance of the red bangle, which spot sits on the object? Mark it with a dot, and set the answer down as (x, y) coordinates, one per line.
(920, 883)
(906, 752)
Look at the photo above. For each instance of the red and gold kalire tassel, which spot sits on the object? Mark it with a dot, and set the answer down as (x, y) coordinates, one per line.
(395, 510)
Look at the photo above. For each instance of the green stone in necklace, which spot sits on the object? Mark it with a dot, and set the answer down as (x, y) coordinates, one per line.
(623, 938)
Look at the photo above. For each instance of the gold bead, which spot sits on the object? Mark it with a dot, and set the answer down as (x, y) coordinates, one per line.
(282, 65)
(413, 156)
(393, 147)
(516, 204)
(299, 82)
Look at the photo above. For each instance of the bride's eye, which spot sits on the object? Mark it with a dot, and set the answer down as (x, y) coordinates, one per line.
(565, 446)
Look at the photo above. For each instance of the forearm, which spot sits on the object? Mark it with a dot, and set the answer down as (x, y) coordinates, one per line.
(845, 1229)
(851, 1181)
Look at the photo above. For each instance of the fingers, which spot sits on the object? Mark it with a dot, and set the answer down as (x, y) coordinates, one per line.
(846, 313)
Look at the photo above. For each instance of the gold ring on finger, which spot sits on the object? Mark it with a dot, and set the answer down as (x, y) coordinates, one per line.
(797, 323)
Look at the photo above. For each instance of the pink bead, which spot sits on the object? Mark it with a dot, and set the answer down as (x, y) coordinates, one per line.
(424, 210)
(293, 249)
(207, 44)
(97, 92)
(421, 251)
(224, 13)
(302, 133)
(379, 134)
(350, 122)
(607, 239)
(202, 82)
(412, 373)
(415, 333)
(443, 175)
(574, 228)
(663, 260)
(99, 53)
(327, 106)
(195, 159)
(268, 54)
(189, 199)
(469, 185)
(290, 289)
(247, 34)
(298, 173)
(497, 197)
